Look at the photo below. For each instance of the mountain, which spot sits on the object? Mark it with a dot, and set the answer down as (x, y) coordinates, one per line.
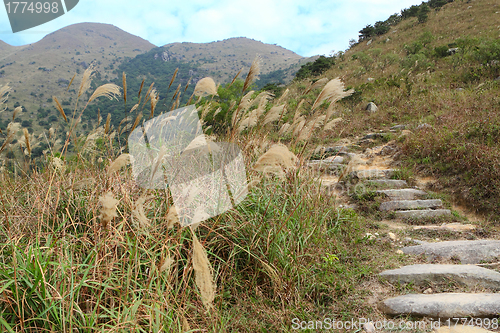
(225, 58)
(438, 75)
(38, 71)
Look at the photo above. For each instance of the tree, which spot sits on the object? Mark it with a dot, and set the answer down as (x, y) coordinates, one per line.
(423, 13)
(381, 28)
(366, 32)
(410, 12)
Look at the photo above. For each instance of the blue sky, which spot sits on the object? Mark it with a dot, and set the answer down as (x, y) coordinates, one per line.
(307, 27)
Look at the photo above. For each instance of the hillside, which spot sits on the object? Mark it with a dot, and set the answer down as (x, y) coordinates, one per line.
(225, 58)
(324, 194)
(38, 71)
(440, 79)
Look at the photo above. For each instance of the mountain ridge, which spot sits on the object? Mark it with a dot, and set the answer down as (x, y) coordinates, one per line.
(40, 70)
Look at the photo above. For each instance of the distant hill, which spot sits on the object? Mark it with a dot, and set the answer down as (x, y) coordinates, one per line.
(225, 58)
(38, 71)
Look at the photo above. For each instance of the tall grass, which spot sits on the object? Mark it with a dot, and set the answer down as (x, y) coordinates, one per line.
(83, 248)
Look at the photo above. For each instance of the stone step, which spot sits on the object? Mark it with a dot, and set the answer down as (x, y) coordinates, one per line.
(373, 136)
(372, 174)
(390, 183)
(420, 275)
(409, 204)
(424, 213)
(403, 194)
(467, 251)
(340, 150)
(457, 227)
(327, 161)
(446, 305)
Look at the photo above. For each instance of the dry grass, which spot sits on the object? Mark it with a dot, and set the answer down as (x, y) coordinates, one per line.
(94, 250)
(205, 87)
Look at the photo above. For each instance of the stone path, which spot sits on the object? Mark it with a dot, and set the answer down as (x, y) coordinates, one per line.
(373, 170)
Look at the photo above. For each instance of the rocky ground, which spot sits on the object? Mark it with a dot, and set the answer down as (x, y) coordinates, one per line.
(457, 259)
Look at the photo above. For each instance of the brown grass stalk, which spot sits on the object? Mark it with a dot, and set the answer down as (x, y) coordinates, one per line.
(71, 82)
(59, 108)
(124, 81)
(173, 78)
(252, 73)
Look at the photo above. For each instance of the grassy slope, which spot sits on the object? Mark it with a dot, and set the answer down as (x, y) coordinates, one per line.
(456, 94)
(225, 58)
(62, 52)
(288, 251)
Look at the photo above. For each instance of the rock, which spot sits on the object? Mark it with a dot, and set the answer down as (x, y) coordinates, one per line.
(409, 204)
(424, 213)
(468, 252)
(370, 79)
(398, 128)
(327, 162)
(388, 150)
(461, 329)
(445, 305)
(392, 236)
(372, 173)
(453, 50)
(371, 107)
(405, 133)
(459, 89)
(369, 327)
(458, 227)
(370, 236)
(334, 159)
(341, 150)
(421, 275)
(373, 136)
(393, 183)
(369, 42)
(403, 194)
(424, 126)
(428, 291)
(387, 40)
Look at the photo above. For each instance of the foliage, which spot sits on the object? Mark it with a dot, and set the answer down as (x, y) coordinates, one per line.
(315, 68)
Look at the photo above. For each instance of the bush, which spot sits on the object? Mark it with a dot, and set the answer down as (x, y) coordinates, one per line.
(315, 68)
(441, 51)
(413, 48)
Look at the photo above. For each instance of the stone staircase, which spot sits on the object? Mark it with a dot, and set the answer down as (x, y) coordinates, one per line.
(373, 169)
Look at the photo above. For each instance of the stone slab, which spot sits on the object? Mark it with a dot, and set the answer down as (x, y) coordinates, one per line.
(403, 194)
(468, 275)
(392, 183)
(457, 227)
(445, 305)
(467, 251)
(409, 204)
(424, 213)
(372, 174)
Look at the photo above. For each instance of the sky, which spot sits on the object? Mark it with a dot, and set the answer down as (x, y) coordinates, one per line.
(307, 27)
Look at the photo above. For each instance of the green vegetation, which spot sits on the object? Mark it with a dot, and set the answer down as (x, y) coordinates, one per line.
(84, 259)
(71, 261)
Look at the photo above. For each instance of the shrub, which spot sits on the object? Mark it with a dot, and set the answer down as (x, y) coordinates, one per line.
(315, 68)
(441, 51)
